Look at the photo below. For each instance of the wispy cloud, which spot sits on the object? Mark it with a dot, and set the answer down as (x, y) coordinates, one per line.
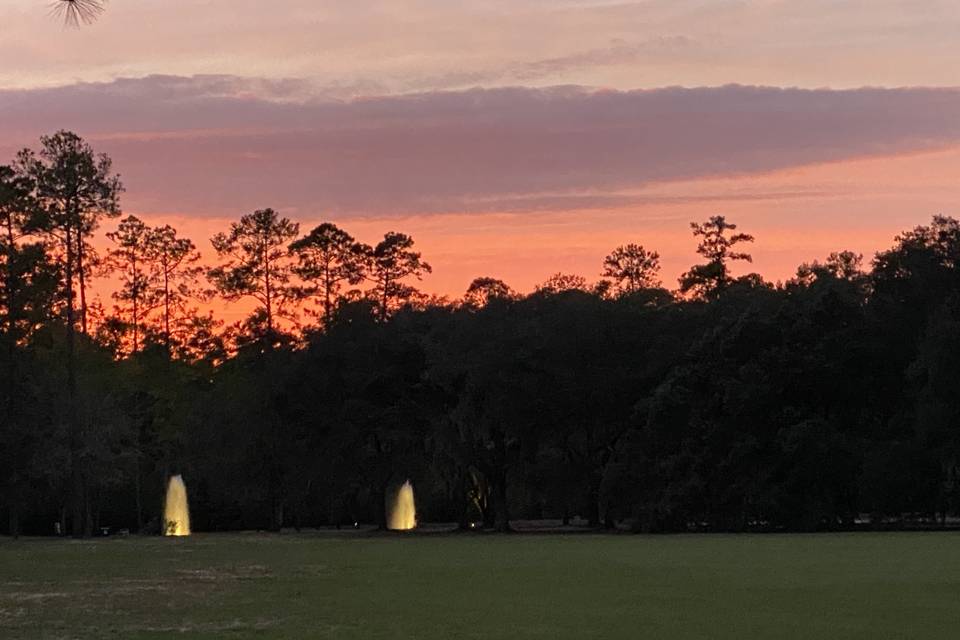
(398, 44)
(619, 52)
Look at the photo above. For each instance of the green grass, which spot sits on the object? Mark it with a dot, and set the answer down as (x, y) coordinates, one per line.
(898, 585)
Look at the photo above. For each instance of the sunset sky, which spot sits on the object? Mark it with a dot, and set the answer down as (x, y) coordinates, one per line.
(511, 138)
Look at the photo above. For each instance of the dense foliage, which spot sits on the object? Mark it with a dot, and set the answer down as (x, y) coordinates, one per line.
(729, 404)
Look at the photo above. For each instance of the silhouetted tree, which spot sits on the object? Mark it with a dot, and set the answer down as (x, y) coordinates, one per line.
(133, 260)
(25, 266)
(795, 406)
(935, 377)
(845, 265)
(709, 279)
(177, 262)
(257, 264)
(28, 287)
(490, 368)
(328, 258)
(73, 188)
(484, 290)
(387, 266)
(631, 268)
(560, 282)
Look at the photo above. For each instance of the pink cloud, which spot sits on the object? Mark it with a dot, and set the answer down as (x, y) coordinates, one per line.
(215, 145)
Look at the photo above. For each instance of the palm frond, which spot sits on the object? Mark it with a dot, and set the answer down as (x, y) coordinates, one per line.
(77, 12)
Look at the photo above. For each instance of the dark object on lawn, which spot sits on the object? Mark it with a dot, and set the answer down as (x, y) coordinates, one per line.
(152, 527)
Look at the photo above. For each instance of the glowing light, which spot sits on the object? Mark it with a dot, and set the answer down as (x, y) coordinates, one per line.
(402, 514)
(176, 511)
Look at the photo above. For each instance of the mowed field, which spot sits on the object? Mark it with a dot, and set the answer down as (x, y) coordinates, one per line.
(862, 585)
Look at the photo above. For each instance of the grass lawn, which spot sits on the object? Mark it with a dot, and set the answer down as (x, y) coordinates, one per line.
(863, 585)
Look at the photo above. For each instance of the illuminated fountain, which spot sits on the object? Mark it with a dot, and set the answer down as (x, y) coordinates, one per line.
(402, 514)
(176, 512)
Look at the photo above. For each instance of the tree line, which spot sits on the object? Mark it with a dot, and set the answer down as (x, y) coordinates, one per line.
(729, 403)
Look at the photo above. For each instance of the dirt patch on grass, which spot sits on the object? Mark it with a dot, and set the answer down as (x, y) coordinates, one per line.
(11, 614)
(218, 574)
(40, 596)
(314, 570)
(53, 605)
(209, 627)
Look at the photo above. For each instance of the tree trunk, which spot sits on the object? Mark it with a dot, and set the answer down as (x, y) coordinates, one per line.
(76, 480)
(14, 519)
(488, 518)
(165, 475)
(166, 307)
(485, 501)
(275, 483)
(81, 273)
(276, 523)
(12, 309)
(464, 495)
(88, 514)
(384, 300)
(136, 315)
(268, 289)
(501, 510)
(327, 302)
(593, 506)
(382, 507)
(138, 487)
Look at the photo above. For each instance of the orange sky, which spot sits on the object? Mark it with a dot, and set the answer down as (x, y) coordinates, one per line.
(510, 138)
(799, 214)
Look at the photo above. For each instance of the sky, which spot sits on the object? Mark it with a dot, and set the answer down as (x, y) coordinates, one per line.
(511, 138)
